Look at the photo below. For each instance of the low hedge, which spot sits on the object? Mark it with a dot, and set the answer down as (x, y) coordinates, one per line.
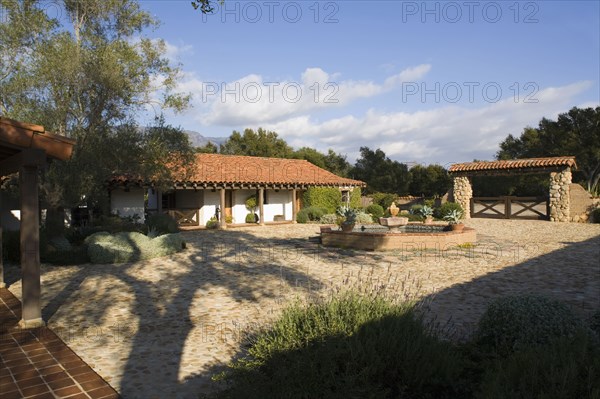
(124, 247)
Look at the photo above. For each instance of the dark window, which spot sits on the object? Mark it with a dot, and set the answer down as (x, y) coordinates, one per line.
(345, 196)
(168, 201)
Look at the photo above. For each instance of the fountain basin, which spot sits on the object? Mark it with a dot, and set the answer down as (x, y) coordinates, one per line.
(393, 221)
(410, 237)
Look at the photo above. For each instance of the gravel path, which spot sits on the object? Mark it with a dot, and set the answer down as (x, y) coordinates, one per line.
(160, 328)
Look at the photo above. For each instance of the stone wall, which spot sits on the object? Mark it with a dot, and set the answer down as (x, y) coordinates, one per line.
(560, 203)
(582, 203)
(462, 192)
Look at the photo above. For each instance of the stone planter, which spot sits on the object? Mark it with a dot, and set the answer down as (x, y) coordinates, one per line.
(347, 227)
(457, 227)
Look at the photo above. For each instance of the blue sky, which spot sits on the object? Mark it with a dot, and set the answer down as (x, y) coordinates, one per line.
(432, 82)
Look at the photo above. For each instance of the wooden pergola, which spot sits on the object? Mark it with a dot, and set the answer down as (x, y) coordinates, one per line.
(26, 149)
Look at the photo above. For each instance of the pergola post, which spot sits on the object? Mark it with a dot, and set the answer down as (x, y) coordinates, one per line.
(294, 210)
(261, 206)
(560, 202)
(222, 221)
(463, 192)
(30, 248)
(2, 283)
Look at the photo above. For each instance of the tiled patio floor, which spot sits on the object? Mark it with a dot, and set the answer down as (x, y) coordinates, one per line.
(37, 364)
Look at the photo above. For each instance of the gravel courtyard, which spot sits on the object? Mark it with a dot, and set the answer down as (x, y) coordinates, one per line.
(160, 328)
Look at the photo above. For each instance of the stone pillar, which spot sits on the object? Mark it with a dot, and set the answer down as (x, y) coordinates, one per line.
(559, 196)
(462, 193)
(30, 248)
(261, 206)
(294, 210)
(222, 221)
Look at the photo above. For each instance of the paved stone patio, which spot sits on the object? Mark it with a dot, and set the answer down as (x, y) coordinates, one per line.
(161, 328)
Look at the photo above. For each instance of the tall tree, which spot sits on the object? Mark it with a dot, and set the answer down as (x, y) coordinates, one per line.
(430, 180)
(381, 173)
(85, 76)
(261, 143)
(576, 132)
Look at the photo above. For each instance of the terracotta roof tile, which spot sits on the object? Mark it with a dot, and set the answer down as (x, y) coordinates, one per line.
(530, 163)
(229, 169)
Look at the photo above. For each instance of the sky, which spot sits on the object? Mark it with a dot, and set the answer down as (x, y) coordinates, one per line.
(427, 82)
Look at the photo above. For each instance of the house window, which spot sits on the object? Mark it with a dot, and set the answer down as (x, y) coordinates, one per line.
(345, 196)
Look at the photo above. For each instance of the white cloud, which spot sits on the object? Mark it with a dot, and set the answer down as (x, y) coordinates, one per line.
(446, 134)
(254, 100)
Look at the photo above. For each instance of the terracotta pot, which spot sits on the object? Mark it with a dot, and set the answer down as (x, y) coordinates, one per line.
(457, 227)
(347, 228)
(428, 220)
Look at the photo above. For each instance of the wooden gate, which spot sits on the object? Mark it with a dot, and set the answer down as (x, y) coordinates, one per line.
(510, 207)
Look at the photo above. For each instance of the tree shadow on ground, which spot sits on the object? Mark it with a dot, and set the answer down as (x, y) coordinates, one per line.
(570, 274)
(159, 318)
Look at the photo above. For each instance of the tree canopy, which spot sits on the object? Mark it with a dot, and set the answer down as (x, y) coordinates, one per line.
(261, 143)
(381, 173)
(87, 76)
(576, 133)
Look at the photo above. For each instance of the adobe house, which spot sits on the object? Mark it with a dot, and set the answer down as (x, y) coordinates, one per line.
(26, 149)
(220, 185)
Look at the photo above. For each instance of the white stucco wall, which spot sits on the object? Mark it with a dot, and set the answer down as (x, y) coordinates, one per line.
(211, 201)
(278, 203)
(128, 203)
(239, 210)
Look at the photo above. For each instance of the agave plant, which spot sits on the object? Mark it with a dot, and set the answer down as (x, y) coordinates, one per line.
(453, 216)
(348, 214)
(426, 211)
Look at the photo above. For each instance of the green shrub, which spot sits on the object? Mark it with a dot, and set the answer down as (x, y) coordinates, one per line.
(326, 198)
(515, 322)
(566, 368)
(355, 197)
(352, 345)
(375, 210)
(414, 218)
(251, 218)
(447, 208)
(302, 216)
(117, 224)
(330, 218)
(363, 218)
(315, 213)
(123, 247)
(595, 216)
(76, 255)
(383, 199)
(212, 223)
(252, 203)
(594, 322)
(415, 209)
(163, 223)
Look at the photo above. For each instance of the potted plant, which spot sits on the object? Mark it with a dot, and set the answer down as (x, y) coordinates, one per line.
(347, 218)
(251, 205)
(453, 218)
(427, 213)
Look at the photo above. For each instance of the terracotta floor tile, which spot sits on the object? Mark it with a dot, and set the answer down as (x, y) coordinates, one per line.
(30, 382)
(101, 392)
(61, 375)
(68, 391)
(57, 384)
(93, 384)
(35, 390)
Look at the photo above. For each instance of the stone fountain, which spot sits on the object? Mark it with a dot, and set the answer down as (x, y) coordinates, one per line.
(394, 222)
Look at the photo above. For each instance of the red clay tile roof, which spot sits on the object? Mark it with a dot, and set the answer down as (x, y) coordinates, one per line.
(529, 163)
(16, 136)
(217, 169)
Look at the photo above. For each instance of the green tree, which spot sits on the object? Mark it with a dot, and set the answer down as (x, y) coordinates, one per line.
(381, 173)
(209, 148)
(261, 143)
(86, 76)
(429, 180)
(337, 163)
(311, 155)
(576, 132)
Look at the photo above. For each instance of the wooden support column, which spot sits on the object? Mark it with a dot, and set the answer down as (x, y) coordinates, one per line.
(294, 210)
(2, 283)
(261, 206)
(30, 248)
(223, 222)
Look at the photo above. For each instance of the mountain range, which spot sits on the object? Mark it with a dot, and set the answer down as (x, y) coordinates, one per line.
(199, 140)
